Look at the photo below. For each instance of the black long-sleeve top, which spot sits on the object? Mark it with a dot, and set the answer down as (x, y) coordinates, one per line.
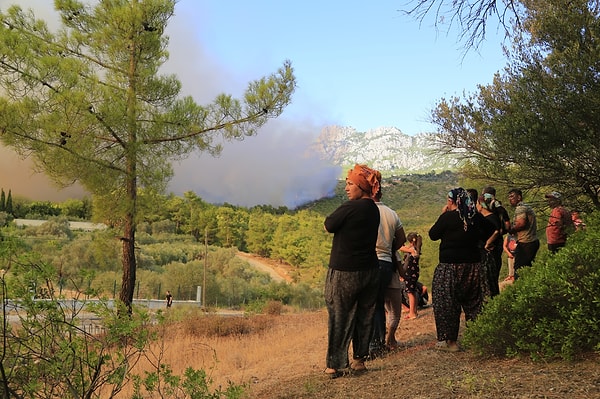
(458, 245)
(355, 225)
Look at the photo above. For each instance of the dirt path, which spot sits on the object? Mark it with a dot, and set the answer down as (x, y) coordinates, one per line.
(277, 271)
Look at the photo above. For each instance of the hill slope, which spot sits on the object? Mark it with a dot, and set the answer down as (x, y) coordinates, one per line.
(287, 362)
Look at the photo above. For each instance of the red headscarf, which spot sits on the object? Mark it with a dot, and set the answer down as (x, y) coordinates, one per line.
(365, 178)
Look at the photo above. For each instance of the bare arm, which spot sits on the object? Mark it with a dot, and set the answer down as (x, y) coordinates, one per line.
(399, 239)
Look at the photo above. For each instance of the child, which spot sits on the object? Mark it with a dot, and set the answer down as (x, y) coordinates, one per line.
(412, 250)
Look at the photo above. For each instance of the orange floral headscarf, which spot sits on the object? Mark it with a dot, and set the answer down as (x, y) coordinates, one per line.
(365, 178)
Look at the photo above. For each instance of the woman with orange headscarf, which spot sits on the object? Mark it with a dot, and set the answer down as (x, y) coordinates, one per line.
(353, 276)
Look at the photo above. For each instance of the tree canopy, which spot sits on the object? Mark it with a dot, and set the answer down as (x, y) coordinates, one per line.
(472, 17)
(88, 103)
(537, 125)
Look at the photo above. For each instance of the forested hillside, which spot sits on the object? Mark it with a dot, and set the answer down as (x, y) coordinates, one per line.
(178, 237)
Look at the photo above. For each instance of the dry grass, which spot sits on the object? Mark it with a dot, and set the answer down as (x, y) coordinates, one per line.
(283, 357)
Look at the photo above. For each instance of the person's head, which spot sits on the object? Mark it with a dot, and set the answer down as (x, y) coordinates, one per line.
(412, 237)
(489, 190)
(485, 202)
(460, 200)
(554, 198)
(379, 194)
(515, 196)
(473, 194)
(362, 182)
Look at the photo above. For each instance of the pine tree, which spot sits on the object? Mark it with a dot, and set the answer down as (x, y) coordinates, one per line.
(89, 104)
(9, 204)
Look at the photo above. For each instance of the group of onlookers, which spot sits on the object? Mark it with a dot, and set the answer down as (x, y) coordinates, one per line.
(373, 263)
(363, 291)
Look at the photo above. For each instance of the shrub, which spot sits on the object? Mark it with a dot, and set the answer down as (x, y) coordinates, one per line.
(274, 308)
(49, 353)
(552, 310)
(223, 326)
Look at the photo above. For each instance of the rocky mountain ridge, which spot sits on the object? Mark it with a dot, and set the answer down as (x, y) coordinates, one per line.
(383, 148)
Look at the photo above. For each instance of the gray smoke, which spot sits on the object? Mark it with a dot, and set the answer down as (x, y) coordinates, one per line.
(275, 167)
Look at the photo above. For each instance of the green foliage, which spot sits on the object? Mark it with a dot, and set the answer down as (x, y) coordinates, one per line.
(55, 226)
(77, 209)
(42, 210)
(536, 125)
(87, 102)
(49, 353)
(194, 384)
(552, 310)
(8, 207)
(5, 218)
(261, 228)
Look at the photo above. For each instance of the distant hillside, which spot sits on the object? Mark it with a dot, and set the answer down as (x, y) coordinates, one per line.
(385, 148)
(416, 197)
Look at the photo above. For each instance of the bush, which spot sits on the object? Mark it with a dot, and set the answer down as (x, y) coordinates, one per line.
(552, 310)
(49, 353)
(203, 325)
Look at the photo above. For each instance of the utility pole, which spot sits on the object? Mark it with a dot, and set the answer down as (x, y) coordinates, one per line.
(205, 263)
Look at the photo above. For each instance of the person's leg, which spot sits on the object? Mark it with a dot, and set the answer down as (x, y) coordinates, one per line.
(495, 272)
(525, 254)
(446, 309)
(424, 296)
(511, 269)
(412, 308)
(412, 277)
(340, 298)
(469, 277)
(555, 247)
(379, 323)
(393, 307)
(365, 310)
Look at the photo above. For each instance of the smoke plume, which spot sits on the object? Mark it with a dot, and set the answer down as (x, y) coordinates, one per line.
(273, 168)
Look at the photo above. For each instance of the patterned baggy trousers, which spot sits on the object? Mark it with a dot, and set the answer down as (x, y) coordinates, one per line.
(350, 297)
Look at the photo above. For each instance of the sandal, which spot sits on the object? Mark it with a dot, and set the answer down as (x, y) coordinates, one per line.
(358, 366)
(333, 373)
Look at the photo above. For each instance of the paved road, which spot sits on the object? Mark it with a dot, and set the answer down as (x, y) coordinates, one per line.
(86, 226)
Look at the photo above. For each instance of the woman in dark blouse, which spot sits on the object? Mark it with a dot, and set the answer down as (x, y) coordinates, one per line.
(457, 279)
(352, 280)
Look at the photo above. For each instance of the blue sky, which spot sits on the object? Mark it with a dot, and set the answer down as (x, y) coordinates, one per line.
(359, 64)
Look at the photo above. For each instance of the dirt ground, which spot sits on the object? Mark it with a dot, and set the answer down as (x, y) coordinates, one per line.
(293, 359)
(416, 370)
